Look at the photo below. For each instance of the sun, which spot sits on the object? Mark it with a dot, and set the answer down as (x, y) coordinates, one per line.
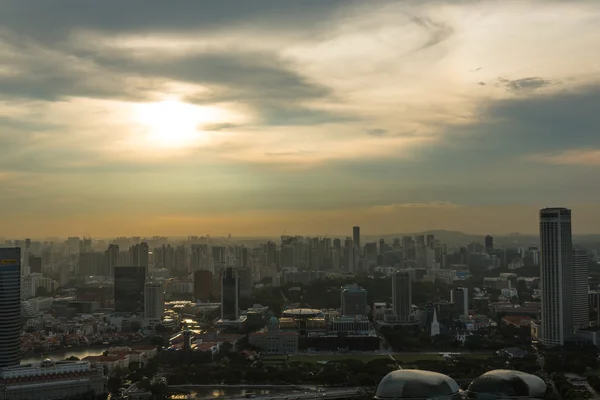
(172, 123)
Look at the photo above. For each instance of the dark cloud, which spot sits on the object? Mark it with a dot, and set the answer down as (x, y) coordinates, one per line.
(438, 31)
(217, 127)
(377, 132)
(524, 84)
(51, 21)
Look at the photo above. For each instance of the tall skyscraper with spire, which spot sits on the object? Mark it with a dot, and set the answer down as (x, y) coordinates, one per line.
(556, 260)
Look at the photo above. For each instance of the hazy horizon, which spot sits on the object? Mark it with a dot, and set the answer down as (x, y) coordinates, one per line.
(308, 117)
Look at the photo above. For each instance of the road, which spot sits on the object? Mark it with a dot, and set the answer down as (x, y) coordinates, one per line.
(331, 394)
(294, 393)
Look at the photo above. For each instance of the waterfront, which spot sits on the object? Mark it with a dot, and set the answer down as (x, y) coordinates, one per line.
(59, 355)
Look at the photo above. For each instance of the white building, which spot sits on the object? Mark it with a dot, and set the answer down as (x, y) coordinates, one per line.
(556, 276)
(435, 325)
(272, 340)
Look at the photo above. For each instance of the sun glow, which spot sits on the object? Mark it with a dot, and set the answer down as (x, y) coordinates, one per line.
(175, 124)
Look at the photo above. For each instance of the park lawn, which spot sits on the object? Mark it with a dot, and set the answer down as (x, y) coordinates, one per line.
(402, 358)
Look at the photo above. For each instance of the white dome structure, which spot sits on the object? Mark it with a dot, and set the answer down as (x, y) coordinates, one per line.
(416, 384)
(506, 384)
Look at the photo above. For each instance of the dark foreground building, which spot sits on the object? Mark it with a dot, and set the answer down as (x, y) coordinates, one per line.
(129, 289)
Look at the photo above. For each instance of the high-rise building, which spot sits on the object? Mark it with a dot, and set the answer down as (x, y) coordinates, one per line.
(154, 300)
(246, 282)
(111, 259)
(35, 264)
(10, 306)
(203, 285)
(430, 241)
(129, 289)
(460, 298)
(354, 300)
(556, 276)
(356, 236)
(581, 316)
(408, 248)
(138, 255)
(489, 244)
(230, 294)
(271, 251)
(401, 296)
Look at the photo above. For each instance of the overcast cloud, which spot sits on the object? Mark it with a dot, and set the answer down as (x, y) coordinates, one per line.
(245, 116)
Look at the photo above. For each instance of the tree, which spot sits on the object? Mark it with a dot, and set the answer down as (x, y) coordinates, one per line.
(72, 358)
(114, 384)
(158, 341)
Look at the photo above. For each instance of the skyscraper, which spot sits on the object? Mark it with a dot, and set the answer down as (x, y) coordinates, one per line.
(154, 300)
(203, 283)
(354, 300)
(401, 296)
(10, 306)
(356, 236)
(460, 298)
(129, 289)
(581, 316)
(556, 276)
(489, 244)
(230, 293)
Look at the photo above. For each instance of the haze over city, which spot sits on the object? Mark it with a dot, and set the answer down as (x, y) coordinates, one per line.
(306, 117)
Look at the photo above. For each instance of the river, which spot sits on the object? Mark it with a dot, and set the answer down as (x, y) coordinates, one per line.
(59, 355)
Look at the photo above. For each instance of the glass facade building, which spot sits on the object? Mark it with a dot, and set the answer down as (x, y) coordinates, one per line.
(10, 306)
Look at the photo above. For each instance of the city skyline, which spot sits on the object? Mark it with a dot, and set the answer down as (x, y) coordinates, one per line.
(306, 117)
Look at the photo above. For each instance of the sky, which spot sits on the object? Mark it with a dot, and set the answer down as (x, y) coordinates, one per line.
(266, 117)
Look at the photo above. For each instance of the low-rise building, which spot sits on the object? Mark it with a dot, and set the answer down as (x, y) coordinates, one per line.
(272, 340)
(51, 380)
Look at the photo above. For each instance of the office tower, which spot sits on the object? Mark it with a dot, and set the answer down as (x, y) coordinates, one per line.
(230, 293)
(154, 300)
(35, 264)
(430, 241)
(203, 285)
(91, 263)
(489, 244)
(138, 255)
(111, 259)
(408, 249)
(460, 298)
(129, 289)
(337, 243)
(354, 300)
(356, 236)
(271, 252)
(25, 261)
(581, 317)
(246, 282)
(382, 246)
(556, 276)
(10, 306)
(401, 296)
